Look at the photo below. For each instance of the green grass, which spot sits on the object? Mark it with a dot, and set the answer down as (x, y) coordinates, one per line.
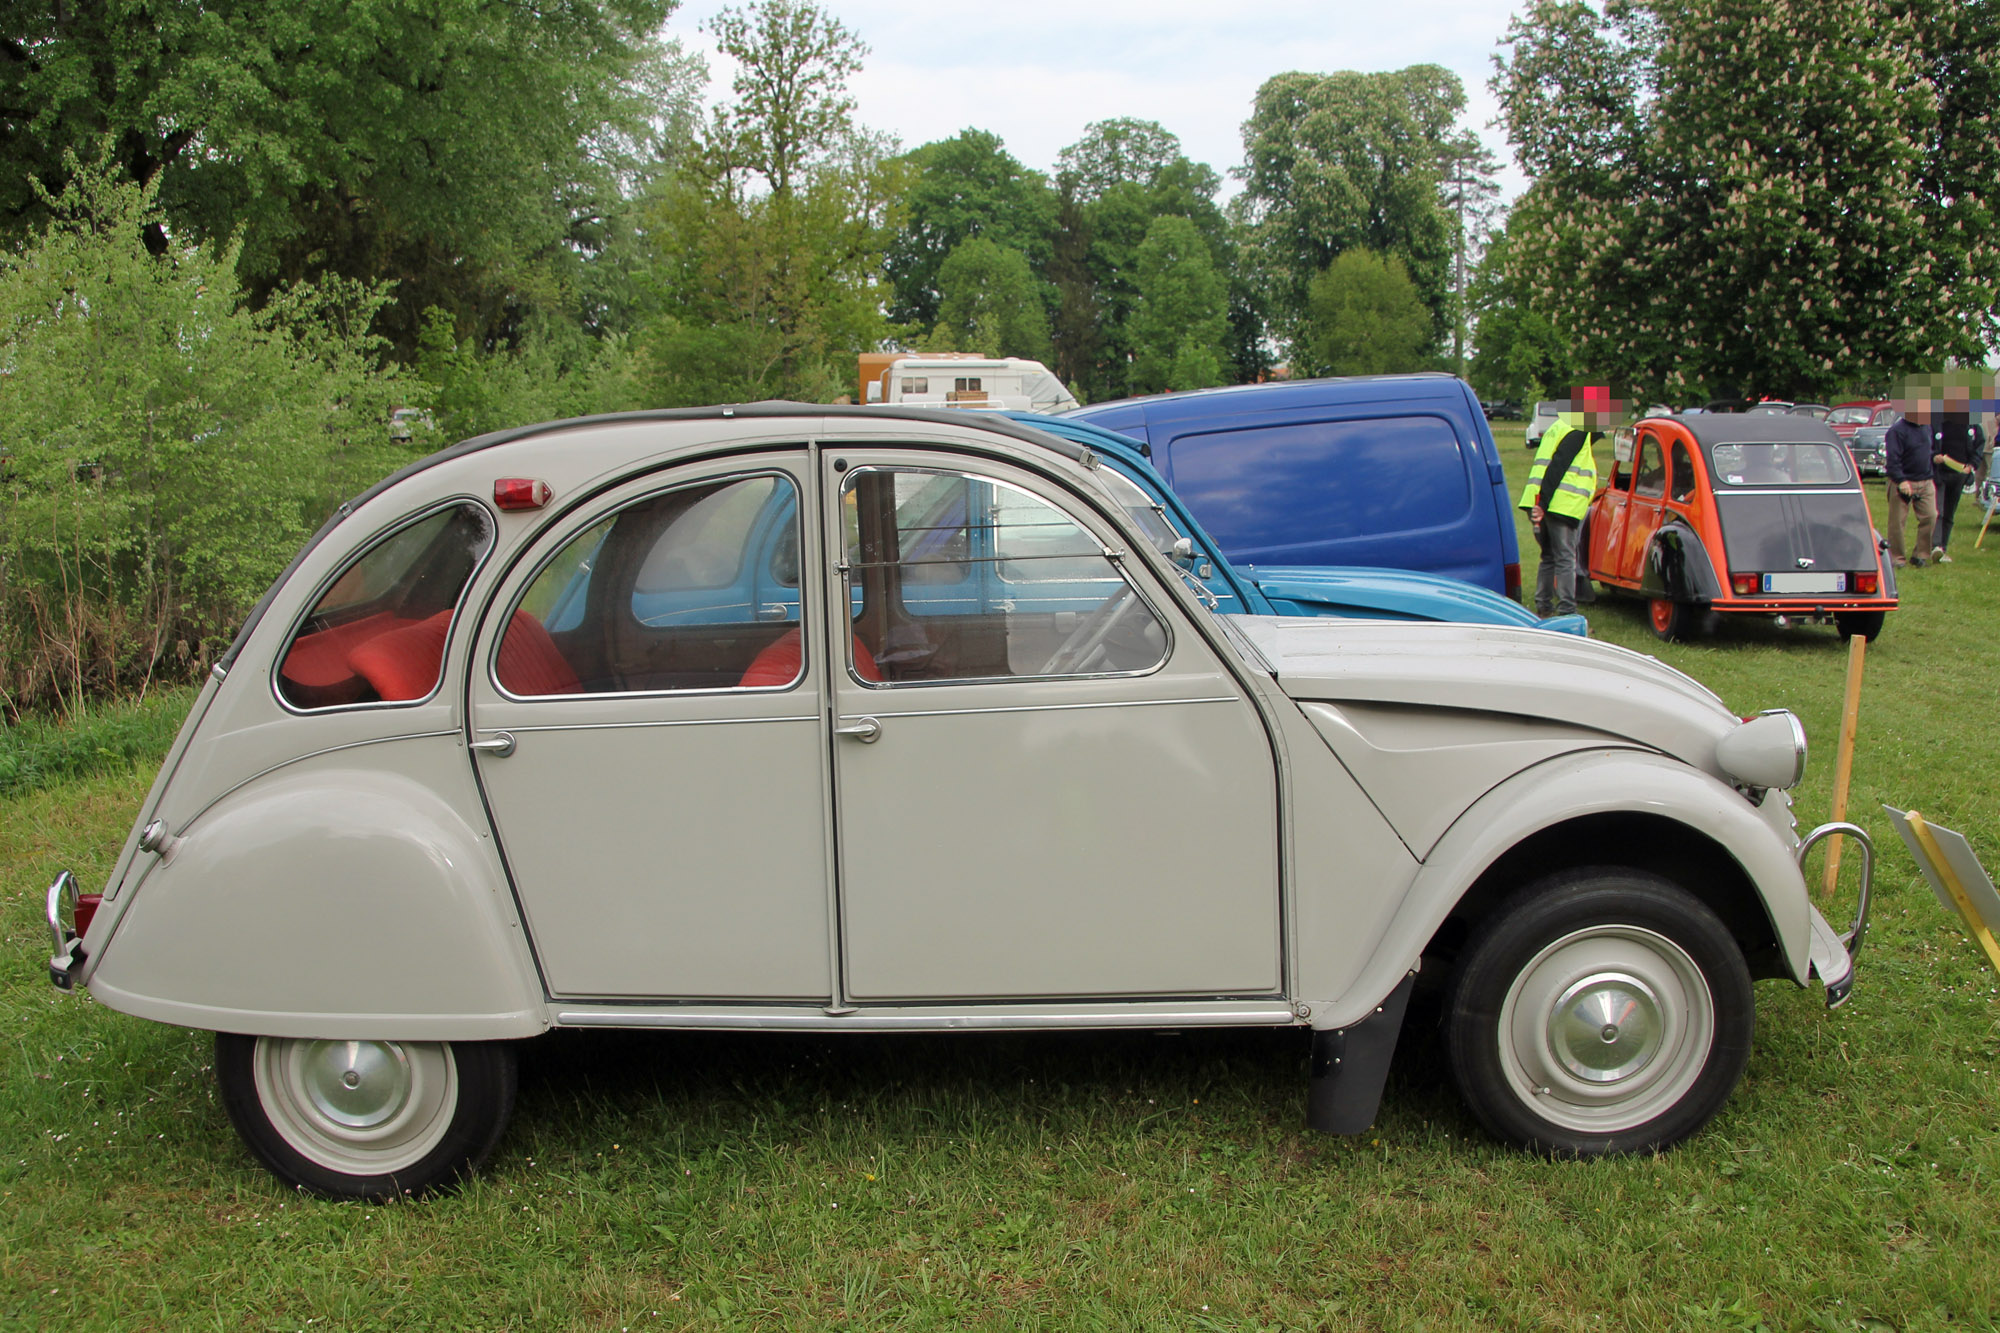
(1083, 1181)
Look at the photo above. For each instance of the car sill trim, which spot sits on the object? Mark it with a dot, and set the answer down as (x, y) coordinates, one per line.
(1257, 1014)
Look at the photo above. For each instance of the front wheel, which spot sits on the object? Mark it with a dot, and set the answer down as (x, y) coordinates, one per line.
(1603, 1011)
(366, 1119)
(1868, 624)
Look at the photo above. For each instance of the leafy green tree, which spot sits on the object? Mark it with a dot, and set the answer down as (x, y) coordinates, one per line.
(1076, 333)
(1365, 317)
(1518, 352)
(766, 246)
(1778, 198)
(992, 303)
(1181, 323)
(470, 152)
(1120, 151)
(960, 188)
(165, 449)
(1342, 160)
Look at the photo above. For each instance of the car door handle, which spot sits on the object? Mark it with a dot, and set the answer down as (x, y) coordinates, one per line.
(864, 729)
(499, 747)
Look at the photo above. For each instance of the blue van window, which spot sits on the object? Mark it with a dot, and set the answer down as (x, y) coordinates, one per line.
(1299, 485)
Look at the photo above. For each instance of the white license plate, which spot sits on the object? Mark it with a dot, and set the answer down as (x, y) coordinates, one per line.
(1805, 583)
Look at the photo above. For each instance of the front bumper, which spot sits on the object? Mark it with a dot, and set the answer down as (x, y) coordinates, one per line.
(1832, 953)
(67, 961)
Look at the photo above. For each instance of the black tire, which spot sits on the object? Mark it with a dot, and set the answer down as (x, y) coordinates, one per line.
(1577, 950)
(1868, 624)
(1671, 620)
(370, 1120)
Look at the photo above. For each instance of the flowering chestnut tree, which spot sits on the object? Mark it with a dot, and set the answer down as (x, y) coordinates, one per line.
(1785, 197)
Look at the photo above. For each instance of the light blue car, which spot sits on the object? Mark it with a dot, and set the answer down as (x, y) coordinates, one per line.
(1353, 591)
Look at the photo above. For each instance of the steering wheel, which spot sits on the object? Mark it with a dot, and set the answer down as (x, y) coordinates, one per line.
(1086, 642)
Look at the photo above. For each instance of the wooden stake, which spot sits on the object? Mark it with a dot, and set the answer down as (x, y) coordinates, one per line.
(1983, 526)
(1921, 831)
(1843, 764)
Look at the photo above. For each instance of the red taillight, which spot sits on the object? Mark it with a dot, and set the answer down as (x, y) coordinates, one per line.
(1513, 581)
(1867, 584)
(86, 908)
(521, 493)
(1744, 584)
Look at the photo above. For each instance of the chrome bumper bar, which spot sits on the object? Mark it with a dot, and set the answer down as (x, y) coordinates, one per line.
(1832, 953)
(67, 960)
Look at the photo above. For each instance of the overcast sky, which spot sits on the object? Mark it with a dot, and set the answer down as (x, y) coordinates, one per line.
(1036, 72)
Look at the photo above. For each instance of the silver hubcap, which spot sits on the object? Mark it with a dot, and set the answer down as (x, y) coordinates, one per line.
(1606, 1028)
(362, 1108)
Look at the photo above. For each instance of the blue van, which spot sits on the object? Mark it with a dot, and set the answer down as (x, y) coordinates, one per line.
(1396, 471)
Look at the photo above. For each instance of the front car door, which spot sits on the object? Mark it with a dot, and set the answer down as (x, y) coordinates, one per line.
(1644, 510)
(1048, 784)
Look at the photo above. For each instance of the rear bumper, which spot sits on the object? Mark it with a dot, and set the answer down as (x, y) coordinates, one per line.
(1831, 953)
(67, 960)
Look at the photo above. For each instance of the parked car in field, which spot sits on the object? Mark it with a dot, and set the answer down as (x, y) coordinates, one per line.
(1870, 447)
(1846, 418)
(1358, 591)
(414, 816)
(1395, 471)
(1544, 416)
(1756, 513)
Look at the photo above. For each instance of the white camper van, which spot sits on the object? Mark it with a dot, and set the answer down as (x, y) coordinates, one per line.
(995, 384)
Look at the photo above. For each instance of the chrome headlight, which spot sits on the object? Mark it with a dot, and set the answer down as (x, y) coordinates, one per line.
(1767, 751)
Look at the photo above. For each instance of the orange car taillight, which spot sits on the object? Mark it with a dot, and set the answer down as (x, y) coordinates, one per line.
(1744, 584)
(1867, 585)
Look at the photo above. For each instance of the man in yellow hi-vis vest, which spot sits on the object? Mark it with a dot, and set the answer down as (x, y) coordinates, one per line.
(1557, 496)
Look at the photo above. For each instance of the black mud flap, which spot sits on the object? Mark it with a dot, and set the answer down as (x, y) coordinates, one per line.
(1351, 1064)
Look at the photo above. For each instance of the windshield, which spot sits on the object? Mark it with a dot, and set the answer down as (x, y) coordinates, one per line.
(1848, 416)
(1143, 509)
(1779, 464)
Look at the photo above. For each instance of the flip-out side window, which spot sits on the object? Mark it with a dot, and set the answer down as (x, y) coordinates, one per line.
(377, 635)
(1683, 473)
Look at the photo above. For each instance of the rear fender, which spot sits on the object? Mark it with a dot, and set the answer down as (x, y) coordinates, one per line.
(1677, 566)
(327, 900)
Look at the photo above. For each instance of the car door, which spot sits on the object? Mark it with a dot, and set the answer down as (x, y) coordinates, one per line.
(650, 737)
(1643, 511)
(1058, 790)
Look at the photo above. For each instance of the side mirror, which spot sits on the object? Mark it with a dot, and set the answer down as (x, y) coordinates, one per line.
(1183, 552)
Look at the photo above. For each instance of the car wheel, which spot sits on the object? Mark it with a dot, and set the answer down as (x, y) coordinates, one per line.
(1672, 620)
(366, 1119)
(1604, 1011)
(1868, 624)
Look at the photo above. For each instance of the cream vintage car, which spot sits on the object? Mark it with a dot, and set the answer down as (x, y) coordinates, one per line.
(555, 728)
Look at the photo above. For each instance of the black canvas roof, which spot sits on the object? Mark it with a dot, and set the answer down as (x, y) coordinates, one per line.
(1710, 428)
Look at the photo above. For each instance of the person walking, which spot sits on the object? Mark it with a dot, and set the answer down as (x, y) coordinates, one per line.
(1560, 484)
(1956, 462)
(1907, 452)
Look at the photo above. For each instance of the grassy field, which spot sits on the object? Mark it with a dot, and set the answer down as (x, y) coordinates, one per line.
(1080, 1182)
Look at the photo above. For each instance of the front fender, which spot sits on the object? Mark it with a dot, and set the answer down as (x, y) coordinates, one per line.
(1567, 788)
(1677, 566)
(328, 900)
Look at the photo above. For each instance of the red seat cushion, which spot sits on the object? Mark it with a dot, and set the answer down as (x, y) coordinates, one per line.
(779, 663)
(530, 662)
(316, 672)
(404, 663)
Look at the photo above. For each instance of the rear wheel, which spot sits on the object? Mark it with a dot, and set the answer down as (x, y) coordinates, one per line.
(366, 1119)
(1868, 624)
(1672, 620)
(1603, 1011)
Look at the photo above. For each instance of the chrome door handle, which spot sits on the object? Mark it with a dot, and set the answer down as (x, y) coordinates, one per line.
(499, 747)
(864, 729)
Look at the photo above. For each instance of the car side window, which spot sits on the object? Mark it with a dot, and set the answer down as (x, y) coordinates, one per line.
(377, 634)
(982, 581)
(1683, 473)
(693, 588)
(1650, 476)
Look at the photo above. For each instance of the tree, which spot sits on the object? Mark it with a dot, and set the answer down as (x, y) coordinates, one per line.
(1779, 198)
(1471, 193)
(1120, 151)
(469, 153)
(1181, 322)
(992, 303)
(1342, 160)
(166, 449)
(1365, 317)
(960, 188)
(1519, 353)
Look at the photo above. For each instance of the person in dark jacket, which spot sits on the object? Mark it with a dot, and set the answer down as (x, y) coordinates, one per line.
(1956, 462)
(1907, 452)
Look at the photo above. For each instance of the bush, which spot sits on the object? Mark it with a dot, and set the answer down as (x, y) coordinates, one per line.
(163, 449)
(38, 751)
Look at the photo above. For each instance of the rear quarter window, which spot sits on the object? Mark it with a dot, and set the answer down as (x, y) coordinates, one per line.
(1276, 486)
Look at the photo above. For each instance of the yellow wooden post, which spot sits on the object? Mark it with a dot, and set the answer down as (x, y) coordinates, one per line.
(1983, 526)
(1949, 878)
(1843, 764)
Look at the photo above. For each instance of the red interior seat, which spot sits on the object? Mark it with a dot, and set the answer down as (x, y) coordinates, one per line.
(530, 662)
(779, 663)
(404, 663)
(316, 672)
